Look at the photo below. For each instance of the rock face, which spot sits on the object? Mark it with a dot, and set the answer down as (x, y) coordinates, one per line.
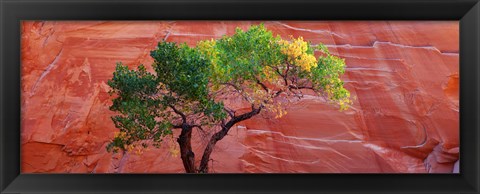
(403, 76)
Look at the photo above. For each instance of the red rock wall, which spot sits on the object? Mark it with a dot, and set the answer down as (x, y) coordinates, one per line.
(403, 76)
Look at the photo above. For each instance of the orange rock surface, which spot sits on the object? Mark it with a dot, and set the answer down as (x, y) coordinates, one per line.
(403, 76)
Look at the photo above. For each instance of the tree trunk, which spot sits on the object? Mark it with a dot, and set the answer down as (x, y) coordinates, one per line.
(186, 153)
(203, 168)
(208, 150)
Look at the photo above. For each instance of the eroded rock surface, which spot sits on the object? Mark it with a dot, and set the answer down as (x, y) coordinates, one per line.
(403, 76)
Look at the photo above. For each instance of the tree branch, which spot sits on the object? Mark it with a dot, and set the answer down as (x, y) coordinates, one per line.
(184, 118)
(286, 72)
(261, 84)
(300, 87)
(230, 112)
(281, 75)
(177, 126)
(237, 89)
(199, 127)
(203, 168)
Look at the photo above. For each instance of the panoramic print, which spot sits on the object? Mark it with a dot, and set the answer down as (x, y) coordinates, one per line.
(240, 97)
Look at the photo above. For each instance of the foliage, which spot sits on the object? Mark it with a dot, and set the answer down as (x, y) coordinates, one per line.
(189, 83)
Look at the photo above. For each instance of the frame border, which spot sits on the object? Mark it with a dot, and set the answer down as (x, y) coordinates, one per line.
(12, 12)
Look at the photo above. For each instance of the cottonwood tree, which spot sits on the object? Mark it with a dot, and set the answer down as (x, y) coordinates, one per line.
(190, 86)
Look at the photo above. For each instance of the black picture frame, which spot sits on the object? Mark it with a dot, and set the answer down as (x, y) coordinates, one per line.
(14, 11)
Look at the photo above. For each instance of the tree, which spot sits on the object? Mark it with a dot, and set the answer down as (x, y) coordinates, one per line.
(190, 84)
